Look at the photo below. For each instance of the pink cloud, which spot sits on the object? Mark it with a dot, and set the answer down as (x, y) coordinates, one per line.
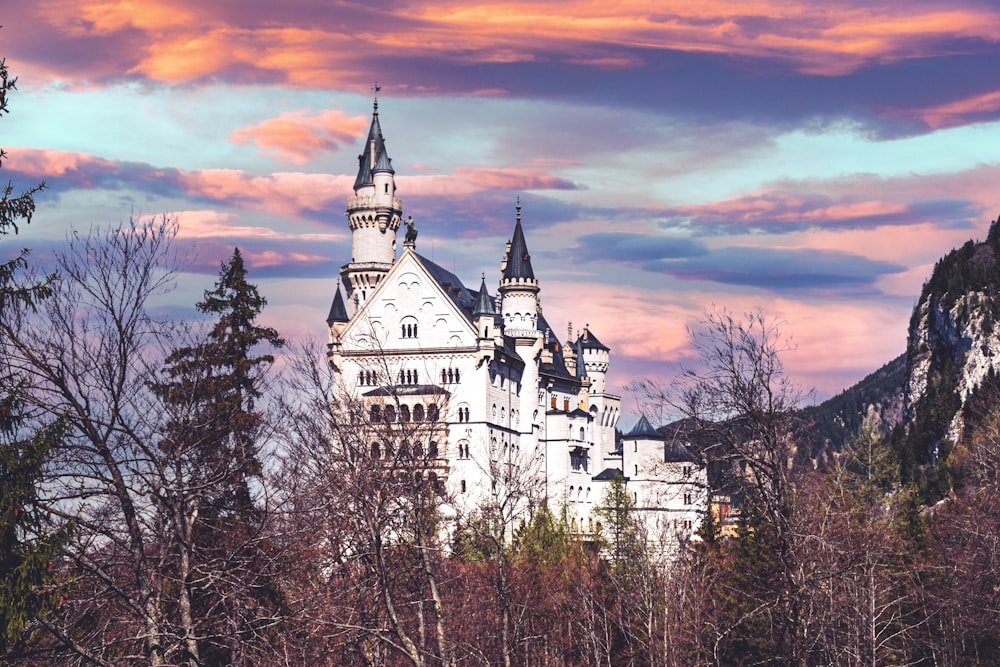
(958, 112)
(185, 40)
(475, 179)
(195, 224)
(284, 193)
(297, 136)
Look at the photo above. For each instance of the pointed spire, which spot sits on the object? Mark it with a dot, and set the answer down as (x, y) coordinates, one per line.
(484, 305)
(518, 259)
(338, 311)
(375, 158)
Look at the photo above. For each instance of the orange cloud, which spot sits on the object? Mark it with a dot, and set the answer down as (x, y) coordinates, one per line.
(187, 40)
(956, 113)
(281, 193)
(214, 224)
(297, 137)
(474, 179)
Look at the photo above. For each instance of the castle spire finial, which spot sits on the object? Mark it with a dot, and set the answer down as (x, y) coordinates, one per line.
(376, 88)
(519, 208)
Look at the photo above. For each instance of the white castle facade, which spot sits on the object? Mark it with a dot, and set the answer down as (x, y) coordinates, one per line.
(412, 343)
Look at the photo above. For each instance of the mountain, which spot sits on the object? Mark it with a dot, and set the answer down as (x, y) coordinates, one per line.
(919, 400)
(876, 402)
(953, 345)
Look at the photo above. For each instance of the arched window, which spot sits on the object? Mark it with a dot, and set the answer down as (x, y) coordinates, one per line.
(404, 413)
(418, 451)
(432, 450)
(418, 412)
(581, 433)
(444, 376)
(390, 414)
(376, 451)
(456, 376)
(404, 450)
(375, 414)
(432, 412)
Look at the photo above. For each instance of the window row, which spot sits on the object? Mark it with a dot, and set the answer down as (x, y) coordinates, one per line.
(463, 414)
(387, 413)
(409, 376)
(450, 376)
(408, 330)
(404, 452)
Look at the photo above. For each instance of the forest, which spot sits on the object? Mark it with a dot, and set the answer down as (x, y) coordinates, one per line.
(179, 491)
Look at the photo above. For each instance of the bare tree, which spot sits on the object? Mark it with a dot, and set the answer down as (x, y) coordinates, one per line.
(124, 474)
(739, 406)
(365, 475)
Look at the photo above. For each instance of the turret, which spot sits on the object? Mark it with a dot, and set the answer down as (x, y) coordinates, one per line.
(336, 321)
(484, 314)
(519, 288)
(595, 357)
(373, 214)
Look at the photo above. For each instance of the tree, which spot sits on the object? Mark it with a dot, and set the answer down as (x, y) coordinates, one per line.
(27, 549)
(363, 478)
(740, 407)
(211, 445)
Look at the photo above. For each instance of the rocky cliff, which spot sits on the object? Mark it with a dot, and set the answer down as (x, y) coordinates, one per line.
(953, 343)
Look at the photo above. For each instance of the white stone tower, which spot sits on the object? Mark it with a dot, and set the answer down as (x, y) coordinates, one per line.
(373, 213)
(519, 288)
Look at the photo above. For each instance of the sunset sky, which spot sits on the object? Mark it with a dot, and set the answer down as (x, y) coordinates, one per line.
(812, 159)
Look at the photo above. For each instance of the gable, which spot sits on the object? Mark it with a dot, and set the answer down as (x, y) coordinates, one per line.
(410, 310)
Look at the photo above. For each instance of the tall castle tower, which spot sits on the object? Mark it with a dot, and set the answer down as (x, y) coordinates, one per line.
(373, 213)
(519, 288)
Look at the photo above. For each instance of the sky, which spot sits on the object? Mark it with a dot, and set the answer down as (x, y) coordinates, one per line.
(809, 159)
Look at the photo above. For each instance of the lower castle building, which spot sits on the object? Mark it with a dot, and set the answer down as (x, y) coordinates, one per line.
(510, 403)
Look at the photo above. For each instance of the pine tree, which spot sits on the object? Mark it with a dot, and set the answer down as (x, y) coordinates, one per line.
(213, 436)
(26, 549)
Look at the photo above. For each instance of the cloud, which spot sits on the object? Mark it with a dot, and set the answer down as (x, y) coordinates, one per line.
(983, 106)
(297, 136)
(778, 269)
(629, 247)
(791, 61)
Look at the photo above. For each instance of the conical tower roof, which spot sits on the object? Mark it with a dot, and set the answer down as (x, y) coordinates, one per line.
(484, 305)
(518, 258)
(338, 311)
(588, 341)
(375, 158)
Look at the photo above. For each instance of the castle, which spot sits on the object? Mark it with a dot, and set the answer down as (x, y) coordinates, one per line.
(413, 343)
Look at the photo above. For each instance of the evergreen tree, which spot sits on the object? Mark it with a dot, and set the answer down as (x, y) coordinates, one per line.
(26, 549)
(222, 377)
(213, 436)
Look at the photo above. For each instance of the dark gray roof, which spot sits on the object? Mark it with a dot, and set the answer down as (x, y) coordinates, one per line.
(675, 452)
(644, 430)
(381, 161)
(581, 368)
(518, 259)
(484, 304)
(556, 369)
(609, 474)
(588, 341)
(338, 311)
(463, 297)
